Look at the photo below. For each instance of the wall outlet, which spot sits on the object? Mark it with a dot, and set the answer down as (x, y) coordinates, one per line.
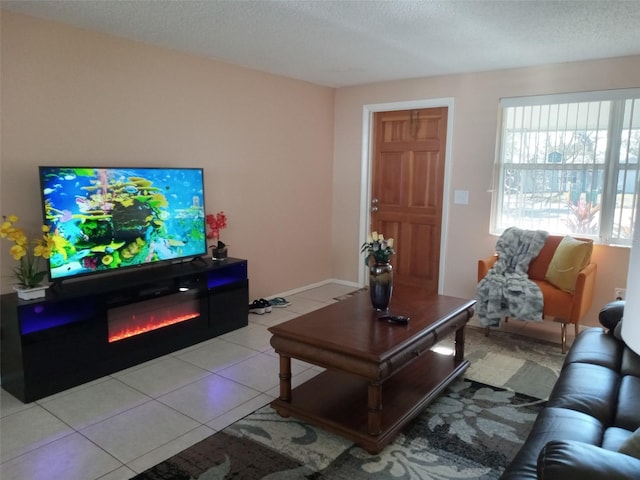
(619, 293)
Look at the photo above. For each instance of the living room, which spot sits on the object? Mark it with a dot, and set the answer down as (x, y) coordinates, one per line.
(77, 97)
(283, 158)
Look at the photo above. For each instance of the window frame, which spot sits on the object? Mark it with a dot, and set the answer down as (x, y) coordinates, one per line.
(610, 168)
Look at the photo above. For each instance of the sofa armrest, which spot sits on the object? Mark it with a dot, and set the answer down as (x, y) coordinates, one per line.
(583, 295)
(570, 460)
(611, 314)
(485, 264)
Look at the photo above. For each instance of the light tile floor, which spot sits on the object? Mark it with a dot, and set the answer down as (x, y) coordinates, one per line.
(122, 424)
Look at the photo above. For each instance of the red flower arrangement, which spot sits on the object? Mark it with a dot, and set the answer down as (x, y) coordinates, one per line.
(216, 223)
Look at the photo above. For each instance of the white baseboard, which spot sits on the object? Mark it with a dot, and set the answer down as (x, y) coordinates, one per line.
(316, 285)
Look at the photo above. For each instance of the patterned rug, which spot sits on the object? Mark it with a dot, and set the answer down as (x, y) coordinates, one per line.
(472, 431)
(515, 362)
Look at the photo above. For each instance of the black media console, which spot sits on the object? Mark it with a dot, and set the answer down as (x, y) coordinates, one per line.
(89, 328)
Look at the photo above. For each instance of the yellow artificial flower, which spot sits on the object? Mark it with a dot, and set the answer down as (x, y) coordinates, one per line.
(42, 251)
(28, 273)
(5, 229)
(17, 252)
(377, 249)
(18, 236)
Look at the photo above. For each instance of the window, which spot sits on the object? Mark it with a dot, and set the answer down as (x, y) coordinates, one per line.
(568, 164)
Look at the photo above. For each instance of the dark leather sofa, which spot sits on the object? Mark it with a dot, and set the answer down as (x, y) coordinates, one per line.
(593, 408)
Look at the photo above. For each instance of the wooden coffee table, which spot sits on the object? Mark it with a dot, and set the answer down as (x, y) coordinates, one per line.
(379, 375)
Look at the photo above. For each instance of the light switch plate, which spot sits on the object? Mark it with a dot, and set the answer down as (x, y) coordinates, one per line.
(461, 197)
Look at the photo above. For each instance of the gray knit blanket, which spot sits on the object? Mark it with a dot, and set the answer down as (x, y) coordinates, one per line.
(506, 290)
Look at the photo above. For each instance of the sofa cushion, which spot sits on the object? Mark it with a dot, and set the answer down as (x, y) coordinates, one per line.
(593, 346)
(630, 363)
(627, 411)
(631, 446)
(571, 256)
(590, 389)
(561, 460)
(552, 424)
(614, 437)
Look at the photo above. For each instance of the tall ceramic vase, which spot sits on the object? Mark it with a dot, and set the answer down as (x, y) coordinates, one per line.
(380, 285)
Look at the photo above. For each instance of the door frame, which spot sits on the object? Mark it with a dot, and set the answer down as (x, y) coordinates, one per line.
(366, 167)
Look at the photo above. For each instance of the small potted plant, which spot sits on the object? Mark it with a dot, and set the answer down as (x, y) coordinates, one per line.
(28, 273)
(216, 223)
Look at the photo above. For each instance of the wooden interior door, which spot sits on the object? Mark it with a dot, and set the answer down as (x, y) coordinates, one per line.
(409, 149)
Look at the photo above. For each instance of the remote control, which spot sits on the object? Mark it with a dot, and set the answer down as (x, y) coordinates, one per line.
(395, 318)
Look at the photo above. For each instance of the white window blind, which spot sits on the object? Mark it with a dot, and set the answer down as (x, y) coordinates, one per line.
(568, 164)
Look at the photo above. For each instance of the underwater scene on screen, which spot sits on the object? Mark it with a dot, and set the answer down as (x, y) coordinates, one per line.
(102, 219)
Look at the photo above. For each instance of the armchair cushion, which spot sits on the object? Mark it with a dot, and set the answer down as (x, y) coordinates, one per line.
(571, 256)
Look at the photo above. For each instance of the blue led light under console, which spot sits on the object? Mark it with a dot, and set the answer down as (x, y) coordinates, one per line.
(227, 275)
(44, 315)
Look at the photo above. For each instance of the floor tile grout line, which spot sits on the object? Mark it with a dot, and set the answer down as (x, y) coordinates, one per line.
(226, 366)
(211, 419)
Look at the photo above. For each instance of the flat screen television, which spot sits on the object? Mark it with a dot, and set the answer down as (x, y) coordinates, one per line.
(105, 219)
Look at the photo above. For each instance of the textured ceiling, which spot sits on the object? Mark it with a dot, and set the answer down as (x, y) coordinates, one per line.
(351, 42)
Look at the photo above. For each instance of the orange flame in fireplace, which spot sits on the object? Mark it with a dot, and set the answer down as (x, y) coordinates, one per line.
(151, 323)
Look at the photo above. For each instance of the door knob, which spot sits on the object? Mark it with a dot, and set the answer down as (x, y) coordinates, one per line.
(374, 209)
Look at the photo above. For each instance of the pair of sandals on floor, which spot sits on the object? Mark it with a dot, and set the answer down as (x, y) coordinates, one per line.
(263, 306)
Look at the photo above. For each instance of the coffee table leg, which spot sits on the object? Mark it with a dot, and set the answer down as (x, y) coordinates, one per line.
(374, 414)
(459, 344)
(285, 378)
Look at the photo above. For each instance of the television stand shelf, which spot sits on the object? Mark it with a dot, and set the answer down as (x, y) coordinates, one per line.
(87, 329)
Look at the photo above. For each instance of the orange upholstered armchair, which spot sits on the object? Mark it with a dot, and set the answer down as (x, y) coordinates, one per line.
(567, 305)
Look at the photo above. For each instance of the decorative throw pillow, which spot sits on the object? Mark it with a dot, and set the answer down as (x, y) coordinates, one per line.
(570, 257)
(631, 446)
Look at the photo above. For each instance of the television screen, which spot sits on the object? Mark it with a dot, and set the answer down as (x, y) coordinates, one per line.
(105, 219)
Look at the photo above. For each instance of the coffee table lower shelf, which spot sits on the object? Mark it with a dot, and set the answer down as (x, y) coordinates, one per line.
(337, 401)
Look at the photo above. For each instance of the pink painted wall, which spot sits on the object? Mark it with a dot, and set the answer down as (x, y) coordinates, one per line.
(475, 114)
(75, 97)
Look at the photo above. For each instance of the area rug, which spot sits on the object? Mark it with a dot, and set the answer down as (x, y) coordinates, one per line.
(472, 431)
(515, 362)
